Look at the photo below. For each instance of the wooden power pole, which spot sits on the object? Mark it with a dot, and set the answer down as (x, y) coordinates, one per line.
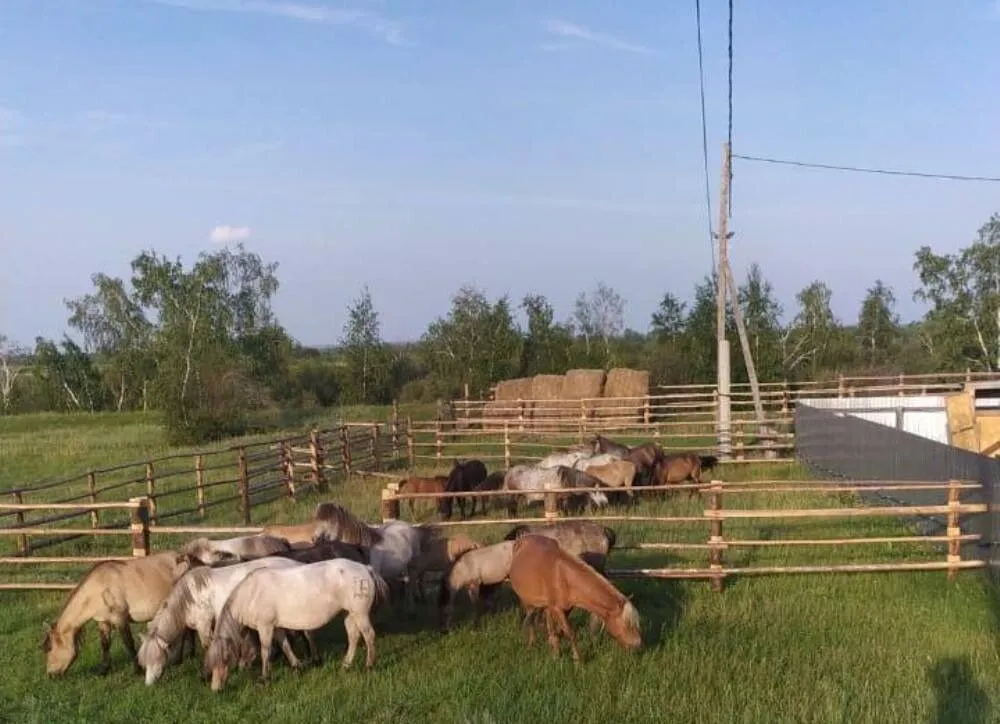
(726, 283)
(723, 412)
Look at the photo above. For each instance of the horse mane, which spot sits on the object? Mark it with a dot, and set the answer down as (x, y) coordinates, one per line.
(590, 572)
(360, 532)
(83, 580)
(181, 596)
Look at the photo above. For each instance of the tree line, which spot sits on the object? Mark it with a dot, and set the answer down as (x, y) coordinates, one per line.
(202, 345)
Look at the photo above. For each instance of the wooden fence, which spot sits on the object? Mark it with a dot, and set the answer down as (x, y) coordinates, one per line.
(436, 443)
(692, 407)
(714, 515)
(185, 487)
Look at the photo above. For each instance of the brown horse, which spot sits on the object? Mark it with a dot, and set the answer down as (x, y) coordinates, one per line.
(547, 578)
(645, 457)
(324, 550)
(437, 555)
(424, 485)
(678, 467)
(114, 594)
(617, 474)
(297, 534)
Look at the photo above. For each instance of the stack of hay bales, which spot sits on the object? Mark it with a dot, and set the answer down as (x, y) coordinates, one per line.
(582, 385)
(547, 393)
(624, 383)
(505, 405)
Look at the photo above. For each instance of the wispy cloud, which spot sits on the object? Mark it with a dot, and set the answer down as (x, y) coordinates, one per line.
(388, 30)
(224, 233)
(563, 29)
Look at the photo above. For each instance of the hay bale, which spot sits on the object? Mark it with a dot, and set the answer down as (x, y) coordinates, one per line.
(582, 385)
(546, 391)
(624, 383)
(505, 403)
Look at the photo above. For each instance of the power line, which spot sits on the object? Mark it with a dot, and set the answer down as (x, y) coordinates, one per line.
(704, 131)
(862, 169)
(729, 136)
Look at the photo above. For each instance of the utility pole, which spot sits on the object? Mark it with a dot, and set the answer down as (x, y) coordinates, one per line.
(723, 412)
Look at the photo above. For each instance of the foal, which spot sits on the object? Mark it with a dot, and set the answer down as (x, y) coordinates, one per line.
(546, 577)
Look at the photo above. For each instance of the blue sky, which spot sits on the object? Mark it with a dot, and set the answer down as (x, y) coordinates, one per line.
(517, 145)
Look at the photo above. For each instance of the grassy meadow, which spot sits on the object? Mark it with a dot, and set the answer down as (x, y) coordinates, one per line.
(888, 647)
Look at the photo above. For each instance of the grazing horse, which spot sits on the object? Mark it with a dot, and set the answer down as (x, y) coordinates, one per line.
(464, 477)
(588, 540)
(209, 552)
(424, 485)
(301, 598)
(616, 474)
(678, 467)
(531, 482)
(437, 556)
(112, 593)
(476, 569)
(195, 602)
(391, 546)
(546, 577)
(605, 445)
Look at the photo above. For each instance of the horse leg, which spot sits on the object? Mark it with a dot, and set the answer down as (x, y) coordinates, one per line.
(560, 617)
(126, 632)
(104, 629)
(529, 624)
(310, 637)
(553, 636)
(352, 641)
(368, 632)
(595, 622)
(476, 602)
(266, 634)
(286, 648)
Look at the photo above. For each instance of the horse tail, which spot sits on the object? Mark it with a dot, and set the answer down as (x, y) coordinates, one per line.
(515, 532)
(612, 537)
(382, 593)
(444, 593)
(708, 461)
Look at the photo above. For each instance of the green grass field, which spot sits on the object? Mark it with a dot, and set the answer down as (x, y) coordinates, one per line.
(890, 647)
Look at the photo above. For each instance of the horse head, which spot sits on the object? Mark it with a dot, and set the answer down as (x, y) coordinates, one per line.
(60, 650)
(624, 626)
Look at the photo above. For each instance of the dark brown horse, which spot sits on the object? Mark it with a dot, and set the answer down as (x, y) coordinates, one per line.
(424, 485)
(493, 481)
(547, 578)
(678, 467)
(602, 445)
(464, 477)
(645, 458)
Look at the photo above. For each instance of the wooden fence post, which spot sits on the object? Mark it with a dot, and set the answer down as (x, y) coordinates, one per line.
(840, 385)
(583, 421)
(151, 491)
(954, 529)
(438, 443)
(411, 453)
(647, 415)
(390, 503)
(22, 540)
(551, 506)
(199, 481)
(139, 526)
(244, 485)
(316, 460)
(95, 519)
(288, 468)
(901, 385)
(394, 425)
(345, 451)
(520, 415)
(376, 461)
(506, 445)
(715, 539)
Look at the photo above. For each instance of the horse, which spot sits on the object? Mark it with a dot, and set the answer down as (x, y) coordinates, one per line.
(391, 546)
(601, 444)
(645, 457)
(194, 603)
(575, 478)
(678, 467)
(483, 567)
(297, 534)
(615, 474)
(493, 481)
(301, 598)
(589, 541)
(424, 485)
(546, 577)
(232, 550)
(324, 550)
(112, 593)
(464, 477)
(569, 459)
(530, 481)
(437, 555)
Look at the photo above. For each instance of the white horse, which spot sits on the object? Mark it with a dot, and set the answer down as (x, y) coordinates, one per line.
(194, 602)
(475, 568)
(302, 598)
(569, 459)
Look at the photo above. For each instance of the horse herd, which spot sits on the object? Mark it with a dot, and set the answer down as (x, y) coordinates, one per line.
(242, 596)
(601, 463)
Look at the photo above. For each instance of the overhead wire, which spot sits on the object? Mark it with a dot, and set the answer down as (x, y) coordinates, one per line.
(704, 132)
(862, 169)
